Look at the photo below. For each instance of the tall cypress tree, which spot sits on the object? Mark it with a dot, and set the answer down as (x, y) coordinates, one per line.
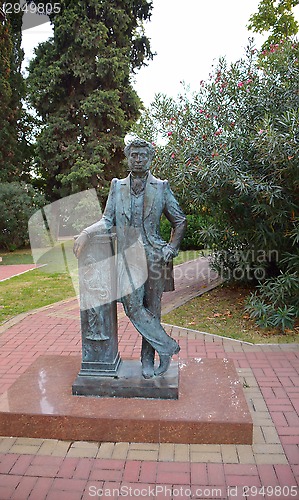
(5, 92)
(80, 84)
(15, 151)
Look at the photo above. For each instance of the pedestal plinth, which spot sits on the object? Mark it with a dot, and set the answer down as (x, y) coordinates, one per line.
(130, 383)
(211, 407)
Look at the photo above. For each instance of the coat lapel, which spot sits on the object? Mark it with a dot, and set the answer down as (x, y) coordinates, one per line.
(126, 195)
(150, 194)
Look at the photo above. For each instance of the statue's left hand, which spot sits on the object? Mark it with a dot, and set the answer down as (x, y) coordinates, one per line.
(168, 253)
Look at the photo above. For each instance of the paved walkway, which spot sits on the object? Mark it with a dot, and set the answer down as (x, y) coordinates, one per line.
(38, 469)
(191, 279)
(9, 271)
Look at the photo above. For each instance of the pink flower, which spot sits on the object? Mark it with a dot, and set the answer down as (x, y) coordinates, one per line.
(169, 133)
(240, 84)
(173, 155)
(261, 131)
(219, 131)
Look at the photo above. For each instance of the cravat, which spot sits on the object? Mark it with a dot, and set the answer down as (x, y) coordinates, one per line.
(137, 185)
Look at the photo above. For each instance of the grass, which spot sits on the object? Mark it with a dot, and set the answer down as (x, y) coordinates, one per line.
(220, 311)
(19, 257)
(33, 289)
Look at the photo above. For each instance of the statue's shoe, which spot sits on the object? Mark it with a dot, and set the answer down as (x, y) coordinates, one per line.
(148, 370)
(165, 360)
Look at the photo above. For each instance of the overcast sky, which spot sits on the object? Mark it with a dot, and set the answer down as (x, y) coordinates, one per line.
(188, 36)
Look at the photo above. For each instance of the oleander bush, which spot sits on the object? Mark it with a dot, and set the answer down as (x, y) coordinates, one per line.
(230, 150)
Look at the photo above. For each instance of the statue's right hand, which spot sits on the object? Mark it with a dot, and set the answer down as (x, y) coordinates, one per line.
(80, 244)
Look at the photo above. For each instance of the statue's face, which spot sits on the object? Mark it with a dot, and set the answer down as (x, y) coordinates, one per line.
(139, 160)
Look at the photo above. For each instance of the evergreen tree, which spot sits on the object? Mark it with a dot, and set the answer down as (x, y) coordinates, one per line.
(5, 92)
(80, 84)
(15, 151)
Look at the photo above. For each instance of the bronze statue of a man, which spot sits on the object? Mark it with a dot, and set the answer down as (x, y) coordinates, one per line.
(136, 204)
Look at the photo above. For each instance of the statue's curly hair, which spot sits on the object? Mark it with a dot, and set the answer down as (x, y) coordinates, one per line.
(139, 143)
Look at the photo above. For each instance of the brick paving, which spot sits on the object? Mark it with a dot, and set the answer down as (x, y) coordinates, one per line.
(50, 469)
(7, 272)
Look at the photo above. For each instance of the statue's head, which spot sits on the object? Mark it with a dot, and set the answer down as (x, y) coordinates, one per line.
(139, 154)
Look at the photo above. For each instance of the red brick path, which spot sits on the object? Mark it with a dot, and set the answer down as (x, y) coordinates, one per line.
(7, 272)
(269, 469)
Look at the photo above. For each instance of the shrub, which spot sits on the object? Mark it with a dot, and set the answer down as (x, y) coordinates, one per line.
(230, 151)
(276, 302)
(192, 239)
(18, 201)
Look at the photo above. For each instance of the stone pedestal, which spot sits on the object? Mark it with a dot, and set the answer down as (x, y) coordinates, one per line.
(97, 284)
(211, 408)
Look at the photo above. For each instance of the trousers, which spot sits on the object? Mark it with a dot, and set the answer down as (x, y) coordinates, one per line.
(143, 308)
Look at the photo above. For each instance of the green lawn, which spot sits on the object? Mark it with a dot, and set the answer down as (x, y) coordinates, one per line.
(18, 257)
(221, 312)
(33, 289)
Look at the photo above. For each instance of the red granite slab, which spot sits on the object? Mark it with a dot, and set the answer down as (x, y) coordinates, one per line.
(211, 407)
